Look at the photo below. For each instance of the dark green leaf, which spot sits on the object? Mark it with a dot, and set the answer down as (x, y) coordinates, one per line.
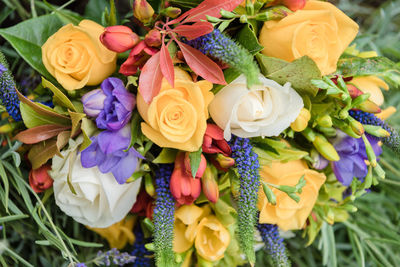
(94, 9)
(28, 37)
(248, 39)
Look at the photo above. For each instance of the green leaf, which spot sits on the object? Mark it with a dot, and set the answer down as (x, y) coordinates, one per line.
(94, 9)
(248, 39)
(299, 73)
(28, 37)
(75, 119)
(59, 97)
(33, 119)
(195, 159)
(378, 66)
(230, 75)
(13, 218)
(167, 155)
(88, 128)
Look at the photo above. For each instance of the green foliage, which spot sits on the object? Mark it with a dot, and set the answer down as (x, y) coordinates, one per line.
(28, 37)
(299, 73)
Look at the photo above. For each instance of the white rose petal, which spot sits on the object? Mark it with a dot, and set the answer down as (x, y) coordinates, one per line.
(264, 110)
(99, 201)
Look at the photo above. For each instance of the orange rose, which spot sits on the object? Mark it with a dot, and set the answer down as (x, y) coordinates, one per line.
(320, 31)
(177, 116)
(288, 214)
(75, 56)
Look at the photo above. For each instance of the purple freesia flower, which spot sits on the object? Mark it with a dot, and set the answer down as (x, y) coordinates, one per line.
(111, 105)
(93, 102)
(107, 151)
(352, 157)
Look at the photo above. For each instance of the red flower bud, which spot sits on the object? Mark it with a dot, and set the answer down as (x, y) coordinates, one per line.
(119, 38)
(294, 5)
(214, 141)
(153, 38)
(137, 58)
(39, 179)
(184, 188)
(210, 185)
(143, 205)
(200, 170)
(353, 91)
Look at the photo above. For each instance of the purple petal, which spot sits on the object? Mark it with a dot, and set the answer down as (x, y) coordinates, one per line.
(125, 98)
(125, 167)
(343, 170)
(88, 156)
(111, 141)
(109, 163)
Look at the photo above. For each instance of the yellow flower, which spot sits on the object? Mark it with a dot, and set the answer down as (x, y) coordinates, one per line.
(372, 85)
(301, 121)
(75, 56)
(118, 234)
(288, 214)
(187, 218)
(319, 30)
(386, 113)
(176, 117)
(212, 239)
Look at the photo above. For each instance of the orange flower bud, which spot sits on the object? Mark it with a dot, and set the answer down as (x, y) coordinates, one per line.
(142, 10)
(153, 38)
(294, 4)
(39, 179)
(183, 187)
(119, 38)
(210, 185)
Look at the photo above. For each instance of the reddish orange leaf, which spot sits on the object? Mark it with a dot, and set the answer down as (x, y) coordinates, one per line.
(202, 65)
(198, 29)
(167, 67)
(40, 133)
(150, 78)
(211, 8)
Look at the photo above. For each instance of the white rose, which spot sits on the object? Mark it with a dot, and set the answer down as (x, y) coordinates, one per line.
(264, 110)
(99, 200)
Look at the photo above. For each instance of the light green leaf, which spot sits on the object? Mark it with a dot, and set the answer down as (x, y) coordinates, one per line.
(88, 129)
(299, 73)
(33, 119)
(28, 37)
(59, 97)
(195, 159)
(167, 155)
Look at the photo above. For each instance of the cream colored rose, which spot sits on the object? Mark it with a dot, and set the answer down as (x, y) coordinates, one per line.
(99, 200)
(320, 30)
(264, 110)
(75, 56)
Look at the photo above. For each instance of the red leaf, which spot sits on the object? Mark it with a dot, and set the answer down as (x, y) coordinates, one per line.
(198, 29)
(211, 8)
(202, 65)
(40, 133)
(167, 67)
(150, 78)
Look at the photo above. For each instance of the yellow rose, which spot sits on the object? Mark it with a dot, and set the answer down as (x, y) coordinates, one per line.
(187, 218)
(118, 234)
(75, 56)
(319, 30)
(176, 117)
(372, 85)
(288, 214)
(212, 239)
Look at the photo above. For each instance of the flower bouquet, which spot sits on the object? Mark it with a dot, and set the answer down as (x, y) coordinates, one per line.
(195, 131)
